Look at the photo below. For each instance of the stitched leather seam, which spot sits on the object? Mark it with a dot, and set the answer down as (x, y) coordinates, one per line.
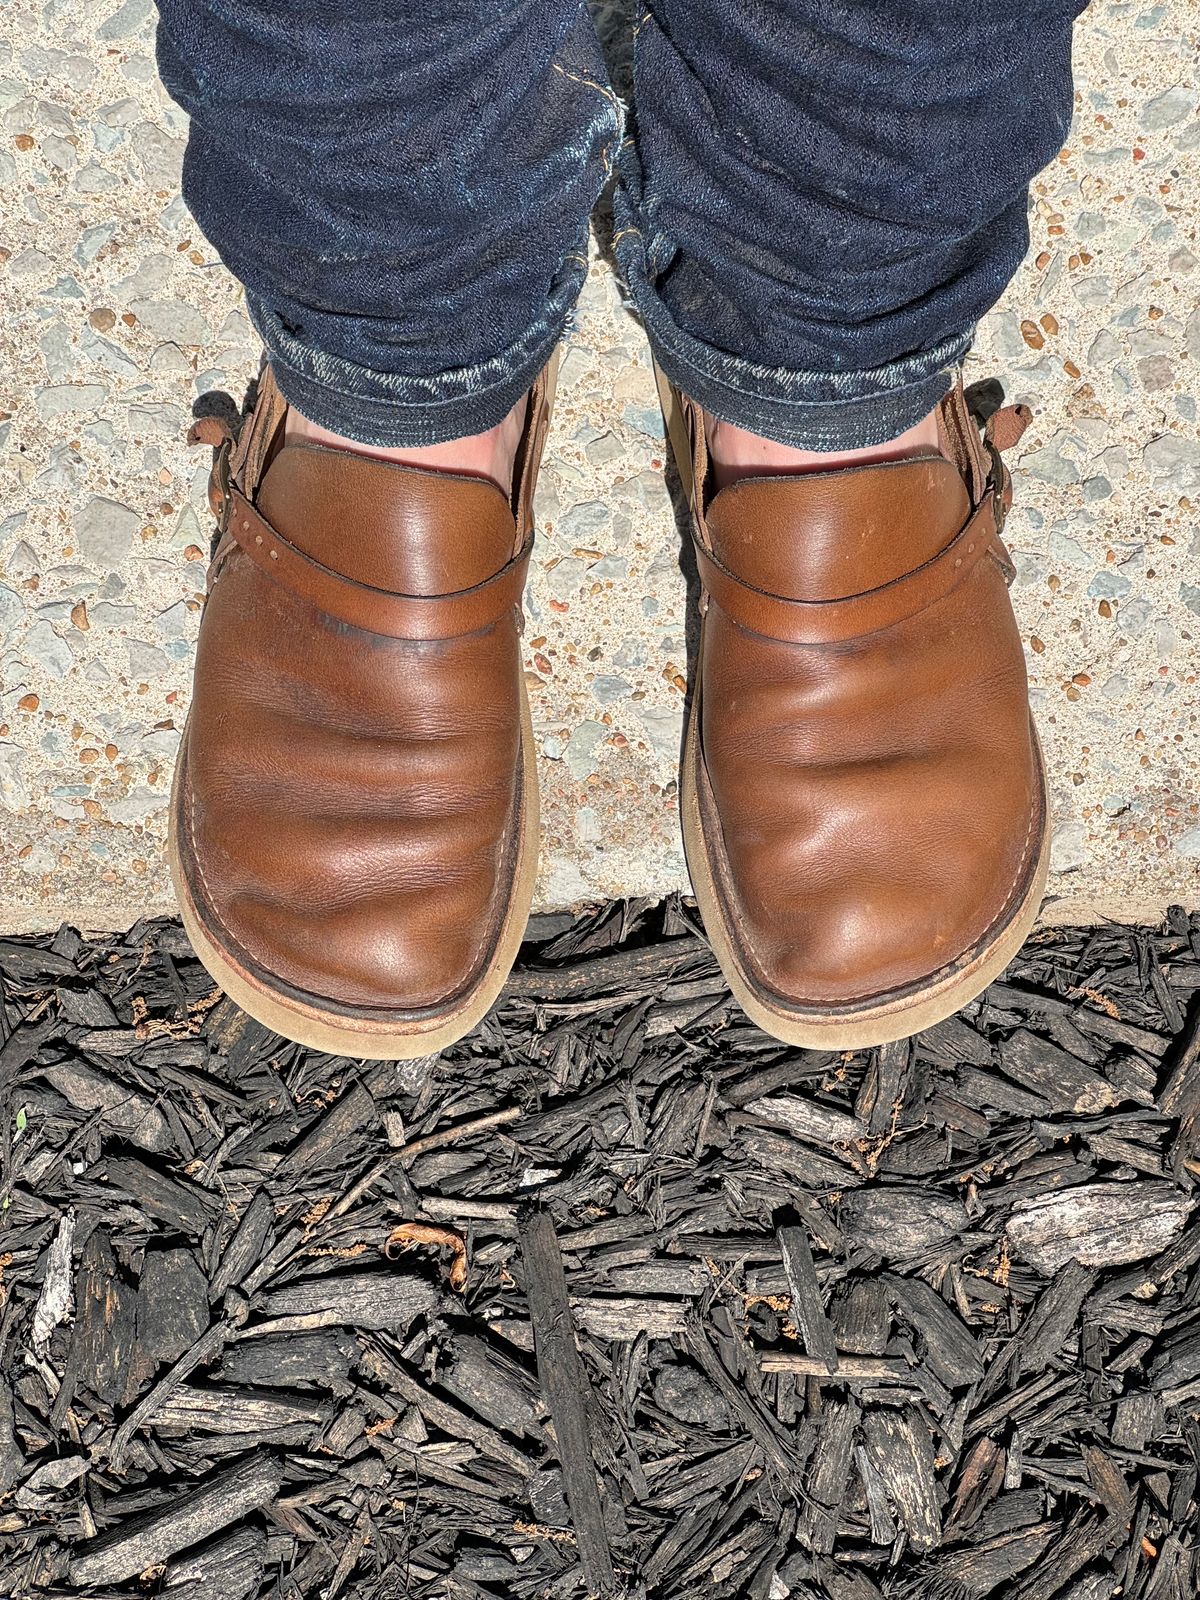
(368, 589)
(241, 527)
(853, 638)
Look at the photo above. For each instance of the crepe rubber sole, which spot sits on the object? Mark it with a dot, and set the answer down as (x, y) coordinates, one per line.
(889, 1017)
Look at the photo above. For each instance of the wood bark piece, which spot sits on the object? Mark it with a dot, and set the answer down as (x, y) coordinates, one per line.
(347, 1118)
(54, 1301)
(1099, 1225)
(492, 1384)
(229, 1567)
(850, 1369)
(172, 1309)
(204, 1350)
(180, 1205)
(1053, 1320)
(12, 1457)
(375, 1298)
(808, 1308)
(944, 1342)
(896, 1222)
(440, 1414)
(195, 1513)
(901, 1451)
(122, 1109)
(809, 1120)
(829, 1475)
(319, 1358)
(604, 973)
(566, 1388)
(1082, 1541)
(1063, 1082)
(881, 1100)
(245, 1246)
(621, 1318)
(234, 1411)
(104, 1355)
(992, 1227)
(994, 1564)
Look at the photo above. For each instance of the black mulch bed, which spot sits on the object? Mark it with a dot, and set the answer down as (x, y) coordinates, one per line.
(619, 1297)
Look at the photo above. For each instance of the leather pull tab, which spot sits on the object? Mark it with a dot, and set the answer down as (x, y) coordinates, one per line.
(215, 431)
(1005, 427)
(1002, 430)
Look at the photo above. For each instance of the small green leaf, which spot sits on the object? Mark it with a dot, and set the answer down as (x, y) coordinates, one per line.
(21, 1120)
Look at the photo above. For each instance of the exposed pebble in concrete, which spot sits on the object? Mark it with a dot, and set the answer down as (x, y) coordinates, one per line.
(122, 317)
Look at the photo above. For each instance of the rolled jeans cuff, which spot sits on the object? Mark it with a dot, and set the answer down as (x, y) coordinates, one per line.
(850, 410)
(401, 411)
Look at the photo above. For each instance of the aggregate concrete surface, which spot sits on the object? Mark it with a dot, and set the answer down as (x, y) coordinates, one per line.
(118, 317)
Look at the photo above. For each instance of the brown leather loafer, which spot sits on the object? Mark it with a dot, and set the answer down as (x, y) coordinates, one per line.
(354, 817)
(864, 806)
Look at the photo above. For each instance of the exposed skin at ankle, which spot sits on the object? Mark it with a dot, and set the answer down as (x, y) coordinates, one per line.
(478, 455)
(735, 454)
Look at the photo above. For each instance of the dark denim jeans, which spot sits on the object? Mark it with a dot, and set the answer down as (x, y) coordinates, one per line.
(820, 200)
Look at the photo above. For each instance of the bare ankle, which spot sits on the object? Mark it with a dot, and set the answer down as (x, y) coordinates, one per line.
(487, 455)
(735, 453)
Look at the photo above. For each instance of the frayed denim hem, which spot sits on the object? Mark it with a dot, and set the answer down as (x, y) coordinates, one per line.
(398, 411)
(808, 410)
